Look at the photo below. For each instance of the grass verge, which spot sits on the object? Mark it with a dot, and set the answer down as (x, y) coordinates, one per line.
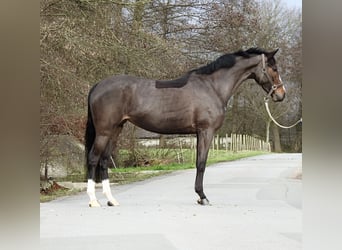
(58, 193)
(189, 161)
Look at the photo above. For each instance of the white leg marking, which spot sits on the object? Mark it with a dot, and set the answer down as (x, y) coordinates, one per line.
(91, 193)
(108, 193)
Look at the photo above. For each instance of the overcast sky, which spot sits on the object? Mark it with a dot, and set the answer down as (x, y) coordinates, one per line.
(293, 3)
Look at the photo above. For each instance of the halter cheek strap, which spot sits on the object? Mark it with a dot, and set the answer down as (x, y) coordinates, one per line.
(274, 86)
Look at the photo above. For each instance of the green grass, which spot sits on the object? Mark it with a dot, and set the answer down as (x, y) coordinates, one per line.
(189, 160)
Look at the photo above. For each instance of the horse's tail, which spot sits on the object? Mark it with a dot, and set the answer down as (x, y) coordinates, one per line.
(89, 139)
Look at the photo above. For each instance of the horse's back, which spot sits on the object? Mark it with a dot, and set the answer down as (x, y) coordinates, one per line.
(120, 81)
(118, 85)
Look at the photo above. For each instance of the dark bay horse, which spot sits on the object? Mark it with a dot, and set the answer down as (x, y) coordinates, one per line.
(192, 104)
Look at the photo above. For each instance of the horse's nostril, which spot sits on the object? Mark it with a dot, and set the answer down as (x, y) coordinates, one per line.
(278, 97)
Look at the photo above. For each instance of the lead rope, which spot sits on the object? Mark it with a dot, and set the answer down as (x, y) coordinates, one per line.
(270, 115)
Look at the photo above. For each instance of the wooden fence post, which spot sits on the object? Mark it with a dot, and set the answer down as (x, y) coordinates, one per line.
(218, 142)
(232, 142)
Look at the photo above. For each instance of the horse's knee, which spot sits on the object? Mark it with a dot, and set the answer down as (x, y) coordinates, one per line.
(200, 167)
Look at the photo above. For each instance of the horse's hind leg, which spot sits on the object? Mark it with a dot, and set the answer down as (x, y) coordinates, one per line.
(104, 162)
(95, 153)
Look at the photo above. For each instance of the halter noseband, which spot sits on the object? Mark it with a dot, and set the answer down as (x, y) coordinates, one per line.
(274, 86)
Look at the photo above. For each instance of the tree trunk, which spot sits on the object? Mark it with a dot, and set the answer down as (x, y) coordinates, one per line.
(276, 138)
(117, 18)
(162, 141)
(268, 124)
(138, 14)
(165, 19)
(235, 113)
(46, 171)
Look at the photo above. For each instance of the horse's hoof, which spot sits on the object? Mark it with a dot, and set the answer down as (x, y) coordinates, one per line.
(94, 204)
(113, 203)
(203, 202)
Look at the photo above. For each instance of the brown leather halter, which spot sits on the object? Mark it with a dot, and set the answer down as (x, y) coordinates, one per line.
(274, 86)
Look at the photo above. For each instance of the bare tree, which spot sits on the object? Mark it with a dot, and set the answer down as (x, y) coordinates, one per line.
(268, 25)
(83, 42)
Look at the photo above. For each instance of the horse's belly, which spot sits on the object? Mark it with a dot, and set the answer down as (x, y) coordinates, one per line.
(164, 124)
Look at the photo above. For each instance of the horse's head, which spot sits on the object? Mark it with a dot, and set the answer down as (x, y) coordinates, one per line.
(267, 76)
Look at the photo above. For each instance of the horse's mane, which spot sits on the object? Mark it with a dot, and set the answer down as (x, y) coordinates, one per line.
(225, 61)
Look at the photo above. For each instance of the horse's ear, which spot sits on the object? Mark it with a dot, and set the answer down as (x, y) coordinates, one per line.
(271, 54)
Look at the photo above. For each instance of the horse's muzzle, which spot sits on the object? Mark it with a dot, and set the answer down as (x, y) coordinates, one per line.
(276, 97)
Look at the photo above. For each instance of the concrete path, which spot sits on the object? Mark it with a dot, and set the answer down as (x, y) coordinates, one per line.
(255, 205)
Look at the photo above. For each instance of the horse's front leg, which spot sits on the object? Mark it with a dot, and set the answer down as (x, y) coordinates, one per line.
(204, 138)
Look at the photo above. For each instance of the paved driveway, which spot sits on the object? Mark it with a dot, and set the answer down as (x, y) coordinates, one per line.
(254, 205)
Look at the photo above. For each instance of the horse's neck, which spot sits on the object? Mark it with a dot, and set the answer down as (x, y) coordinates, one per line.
(227, 81)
